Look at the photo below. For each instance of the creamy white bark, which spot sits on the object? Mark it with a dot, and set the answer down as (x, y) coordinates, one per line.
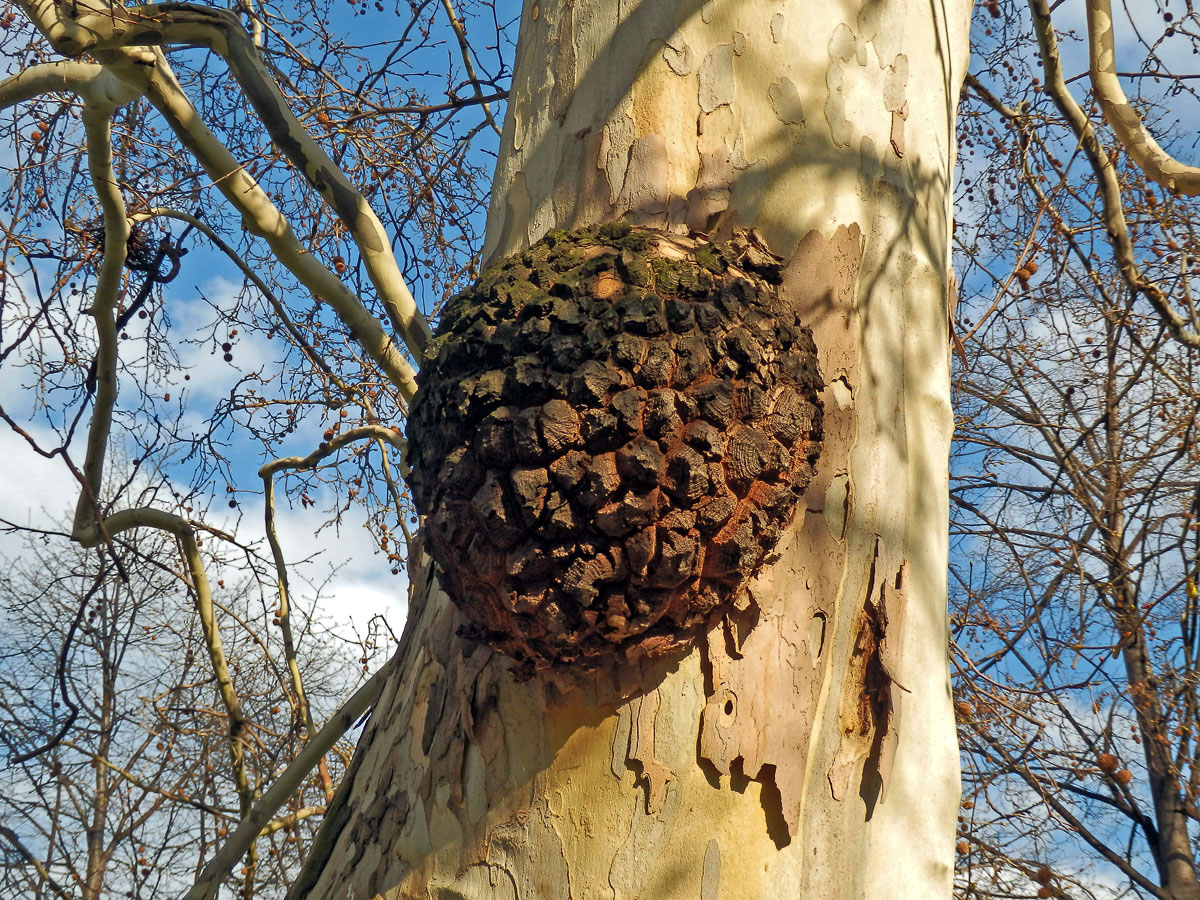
(752, 767)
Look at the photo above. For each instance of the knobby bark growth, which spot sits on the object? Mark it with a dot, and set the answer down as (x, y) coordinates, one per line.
(616, 428)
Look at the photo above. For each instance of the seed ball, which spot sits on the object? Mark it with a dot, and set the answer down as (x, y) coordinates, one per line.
(1122, 776)
(612, 430)
(1107, 763)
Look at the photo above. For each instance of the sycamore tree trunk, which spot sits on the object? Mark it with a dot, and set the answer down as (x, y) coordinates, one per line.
(808, 748)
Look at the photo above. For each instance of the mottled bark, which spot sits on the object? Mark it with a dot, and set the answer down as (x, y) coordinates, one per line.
(806, 747)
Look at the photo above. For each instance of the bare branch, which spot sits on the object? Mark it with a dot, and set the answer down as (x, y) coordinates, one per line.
(1110, 191)
(97, 123)
(287, 784)
(465, 48)
(26, 854)
(1159, 166)
(219, 30)
(86, 79)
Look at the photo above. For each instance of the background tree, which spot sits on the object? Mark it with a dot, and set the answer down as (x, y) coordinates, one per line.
(260, 354)
(118, 776)
(1075, 497)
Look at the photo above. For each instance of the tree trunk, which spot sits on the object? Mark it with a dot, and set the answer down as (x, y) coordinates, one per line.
(805, 748)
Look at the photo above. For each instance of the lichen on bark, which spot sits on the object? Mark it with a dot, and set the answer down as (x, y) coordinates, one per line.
(610, 434)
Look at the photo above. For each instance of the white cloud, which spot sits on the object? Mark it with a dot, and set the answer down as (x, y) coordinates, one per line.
(34, 491)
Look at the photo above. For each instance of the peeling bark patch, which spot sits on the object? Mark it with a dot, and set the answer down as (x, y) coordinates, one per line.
(657, 777)
(678, 59)
(785, 100)
(837, 505)
(816, 634)
(516, 218)
(639, 853)
(433, 714)
(776, 670)
(528, 851)
(612, 432)
(620, 744)
(897, 134)
(895, 91)
(646, 179)
(716, 78)
(777, 28)
(835, 108)
(749, 190)
(562, 93)
(842, 44)
(895, 84)
(843, 394)
(616, 143)
(710, 197)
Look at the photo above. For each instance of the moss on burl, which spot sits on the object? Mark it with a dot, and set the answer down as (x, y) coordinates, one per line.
(611, 432)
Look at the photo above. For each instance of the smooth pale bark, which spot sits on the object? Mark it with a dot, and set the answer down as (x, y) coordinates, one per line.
(751, 767)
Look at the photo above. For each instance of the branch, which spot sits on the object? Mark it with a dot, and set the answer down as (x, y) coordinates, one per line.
(254, 278)
(89, 80)
(325, 448)
(465, 48)
(147, 517)
(291, 819)
(97, 122)
(1159, 166)
(1110, 191)
(267, 473)
(14, 839)
(164, 793)
(63, 673)
(287, 784)
(186, 24)
(262, 218)
(147, 71)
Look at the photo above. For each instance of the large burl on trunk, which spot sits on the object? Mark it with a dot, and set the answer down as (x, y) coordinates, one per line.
(614, 429)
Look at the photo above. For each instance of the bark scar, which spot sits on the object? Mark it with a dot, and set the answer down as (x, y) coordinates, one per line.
(872, 709)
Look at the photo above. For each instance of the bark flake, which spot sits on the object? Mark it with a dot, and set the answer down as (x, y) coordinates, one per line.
(785, 100)
(678, 58)
(716, 78)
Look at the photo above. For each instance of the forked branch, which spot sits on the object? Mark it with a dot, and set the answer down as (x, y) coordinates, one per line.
(99, 28)
(1159, 166)
(1185, 331)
